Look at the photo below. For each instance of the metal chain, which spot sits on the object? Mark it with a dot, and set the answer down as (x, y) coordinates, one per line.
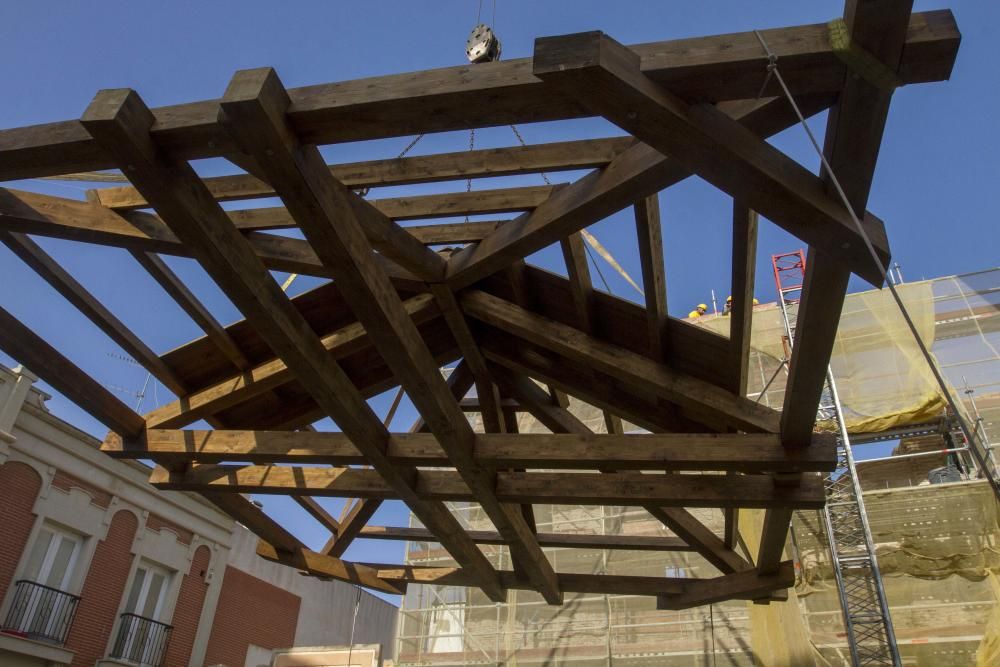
(524, 143)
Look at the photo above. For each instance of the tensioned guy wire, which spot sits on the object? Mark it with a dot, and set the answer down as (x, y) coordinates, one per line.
(772, 68)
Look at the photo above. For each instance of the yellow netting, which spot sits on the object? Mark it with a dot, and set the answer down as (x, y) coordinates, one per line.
(989, 649)
(882, 378)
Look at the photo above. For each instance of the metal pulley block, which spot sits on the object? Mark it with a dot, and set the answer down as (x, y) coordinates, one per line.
(483, 45)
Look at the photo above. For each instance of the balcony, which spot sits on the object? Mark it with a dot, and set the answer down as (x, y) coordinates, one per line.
(141, 641)
(40, 613)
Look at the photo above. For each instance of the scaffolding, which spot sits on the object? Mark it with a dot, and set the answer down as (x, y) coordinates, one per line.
(867, 620)
(937, 545)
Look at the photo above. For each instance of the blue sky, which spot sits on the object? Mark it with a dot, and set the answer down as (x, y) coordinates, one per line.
(935, 186)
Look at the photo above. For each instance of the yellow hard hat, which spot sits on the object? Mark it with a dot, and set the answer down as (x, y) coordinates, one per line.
(756, 302)
(702, 306)
(729, 298)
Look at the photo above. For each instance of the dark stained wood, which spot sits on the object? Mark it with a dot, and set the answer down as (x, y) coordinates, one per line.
(606, 77)
(549, 540)
(352, 525)
(571, 446)
(622, 364)
(56, 217)
(491, 162)
(746, 585)
(329, 214)
(120, 122)
(698, 69)
(334, 568)
(56, 276)
(39, 357)
(630, 489)
(269, 375)
(190, 304)
(654, 280)
(638, 172)
(742, 291)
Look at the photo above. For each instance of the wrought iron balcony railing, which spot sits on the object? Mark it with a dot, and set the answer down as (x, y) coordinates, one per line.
(40, 612)
(141, 640)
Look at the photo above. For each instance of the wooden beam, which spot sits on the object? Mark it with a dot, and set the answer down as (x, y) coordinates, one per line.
(318, 512)
(630, 489)
(354, 522)
(572, 446)
(619, 363)
(654, 281)
(747, 585)
(672, 592)
(334, 568)
(606, 77)
(638, 172)
(271, 374)
(190, 304)
(488, 163)
(455, 204)
(853, 137)
(740, 321)
(742, 292)
(60, 280)
(686, 526)
(699, 69)
(56, 217)
(329, 214)
(254, 518)
(120, 123)
(39, 357)
(547, 540)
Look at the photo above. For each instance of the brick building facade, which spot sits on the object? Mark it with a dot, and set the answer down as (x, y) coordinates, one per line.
(98, 568)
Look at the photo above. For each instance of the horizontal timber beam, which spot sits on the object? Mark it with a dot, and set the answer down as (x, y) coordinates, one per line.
(632, 489)
(491, 162)
(722, 67)
(744, 452)
(551, 540)
(74, 220)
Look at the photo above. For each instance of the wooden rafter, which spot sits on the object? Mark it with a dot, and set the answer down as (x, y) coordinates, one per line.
(397, 310)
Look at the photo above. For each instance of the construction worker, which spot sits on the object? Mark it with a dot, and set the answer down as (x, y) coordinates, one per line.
(699, 311)
(728, 308)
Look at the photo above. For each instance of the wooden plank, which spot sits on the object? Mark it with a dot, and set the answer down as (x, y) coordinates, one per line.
(638, 172)
(606, 77)
(488, 163)
(334, 568)
(571, 446)
(318, 512)
(60, 280)
(39, 357)
(853, 137)
(455, 204)
(742, 292)
(190, 304)
(654, 280)
(703, 68)
(329, 214)
(254, 518)
(120, 122)
(686, 526)
(619, 363)
(548, 540)
(271, 374)
(352, 525)
(56, 217)
(454, 232)
(630, 489)
(748, 585)
(740, 321)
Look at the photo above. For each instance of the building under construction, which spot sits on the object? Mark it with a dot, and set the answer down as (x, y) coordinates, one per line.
(634, 487)
(935, 542)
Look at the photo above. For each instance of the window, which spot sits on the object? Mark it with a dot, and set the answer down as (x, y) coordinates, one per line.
(149, 588)
(53, 557)
(142, 637)
(40, 607)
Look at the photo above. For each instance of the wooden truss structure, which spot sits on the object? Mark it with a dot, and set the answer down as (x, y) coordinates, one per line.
(404, 301)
